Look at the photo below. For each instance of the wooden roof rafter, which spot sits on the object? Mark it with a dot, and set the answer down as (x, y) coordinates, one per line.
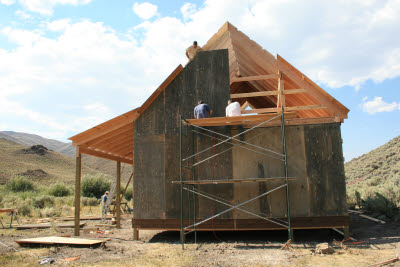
(250, 59)
(113, 139)
(252, 69)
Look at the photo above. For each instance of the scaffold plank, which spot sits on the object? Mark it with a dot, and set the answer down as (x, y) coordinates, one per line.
(216, 181)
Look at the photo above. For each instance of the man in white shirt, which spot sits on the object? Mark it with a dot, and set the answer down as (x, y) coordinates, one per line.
(233, 110)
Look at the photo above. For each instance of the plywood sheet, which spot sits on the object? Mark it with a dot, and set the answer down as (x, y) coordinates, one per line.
(53, 240)
(47, 225)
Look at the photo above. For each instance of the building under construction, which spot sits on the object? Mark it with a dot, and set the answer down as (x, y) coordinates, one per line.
(284, 170)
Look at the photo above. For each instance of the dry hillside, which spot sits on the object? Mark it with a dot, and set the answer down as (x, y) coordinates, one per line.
(376, 177)
(37, 163)
(101, 165)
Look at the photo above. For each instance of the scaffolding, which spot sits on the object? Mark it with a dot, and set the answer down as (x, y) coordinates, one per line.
(192, 185)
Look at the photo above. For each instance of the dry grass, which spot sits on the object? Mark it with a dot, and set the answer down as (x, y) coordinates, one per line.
(56, 167)
(376, 178)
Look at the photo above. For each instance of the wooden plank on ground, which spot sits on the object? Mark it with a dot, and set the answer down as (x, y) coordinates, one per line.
(53, 240)
(84, 218)
(46, 225)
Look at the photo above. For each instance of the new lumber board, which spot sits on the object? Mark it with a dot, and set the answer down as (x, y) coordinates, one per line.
(250, 119)
(254, 78)
(262, 110)
(47, 225)
(52, 240)
(268, 93)
(99, 154)
(8, 210)
(84, 218)
(104, 128)
(249, 180)
(313, 89)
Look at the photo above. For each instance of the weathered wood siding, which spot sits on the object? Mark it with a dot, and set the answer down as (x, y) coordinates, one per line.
(315, 156)
(156, 136)
(315, 159)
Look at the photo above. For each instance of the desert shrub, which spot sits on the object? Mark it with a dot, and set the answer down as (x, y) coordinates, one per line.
(20, 184)
(59, 190)
(90, 201)
(128, 194)
(43, 201)
(358, 199)
(67, 210)
(25, 210)
(50, 212)
(380, 205)
(26, 195)
(36, 212)
(94, 186)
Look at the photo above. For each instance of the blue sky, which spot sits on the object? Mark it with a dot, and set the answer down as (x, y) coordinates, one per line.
(67, 65)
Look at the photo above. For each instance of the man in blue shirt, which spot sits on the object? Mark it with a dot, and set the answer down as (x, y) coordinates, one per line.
(103, 203)
(202, 110)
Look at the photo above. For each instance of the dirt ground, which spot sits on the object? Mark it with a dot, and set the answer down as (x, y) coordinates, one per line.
(252, 248)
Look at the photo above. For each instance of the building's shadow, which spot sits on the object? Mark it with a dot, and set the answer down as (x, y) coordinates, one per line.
(365, 231)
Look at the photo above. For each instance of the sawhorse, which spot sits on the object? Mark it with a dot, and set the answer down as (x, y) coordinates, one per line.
(12, 212)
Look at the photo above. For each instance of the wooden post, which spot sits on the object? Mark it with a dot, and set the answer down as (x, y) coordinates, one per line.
(281, 96)
(78, 191)
(346, 232)
(135, 234)
(118, 194)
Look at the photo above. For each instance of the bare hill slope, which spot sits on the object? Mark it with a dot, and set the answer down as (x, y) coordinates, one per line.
(101, 165)
(37, 163)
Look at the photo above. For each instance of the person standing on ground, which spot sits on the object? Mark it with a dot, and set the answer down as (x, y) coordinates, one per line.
(192, 51)
(202, 110)
(103, 202)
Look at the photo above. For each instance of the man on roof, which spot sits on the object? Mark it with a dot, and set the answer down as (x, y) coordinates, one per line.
(202, 110)
(233, 110)
(192, 51)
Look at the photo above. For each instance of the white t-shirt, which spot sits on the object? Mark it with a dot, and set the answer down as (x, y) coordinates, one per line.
(233, 109)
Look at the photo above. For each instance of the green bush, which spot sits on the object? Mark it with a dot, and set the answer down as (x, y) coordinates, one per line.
(94, 186)
(50, 212)
(90, 201)
(25, 210)
(59, 190)
(128, 194)
(380, 205)
(43, 201)
(20, 184)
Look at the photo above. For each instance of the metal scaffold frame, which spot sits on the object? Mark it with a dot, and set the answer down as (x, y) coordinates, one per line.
(191, 186)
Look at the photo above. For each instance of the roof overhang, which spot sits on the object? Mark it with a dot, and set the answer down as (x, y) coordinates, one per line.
(113, 139)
